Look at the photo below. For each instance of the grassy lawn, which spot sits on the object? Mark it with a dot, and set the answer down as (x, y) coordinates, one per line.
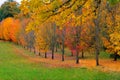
(16, 67)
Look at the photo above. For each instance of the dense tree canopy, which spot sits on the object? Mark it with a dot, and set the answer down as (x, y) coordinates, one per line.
(79, 25)
(8, 9)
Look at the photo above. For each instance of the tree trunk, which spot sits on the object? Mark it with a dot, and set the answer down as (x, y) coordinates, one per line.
(78, 39)
(63, 56)
(115, 57)
(63, 41)
(97, 57)
(34, 50)
(97, 44)
(97, 32)
(71, 53)
(63, 50)
(39, 53)
(45, 54)
(77, 57)
(56, 47)
(53, 40)
(53, 53)
(82, 54)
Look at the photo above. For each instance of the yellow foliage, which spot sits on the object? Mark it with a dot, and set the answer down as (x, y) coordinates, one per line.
(113, 46)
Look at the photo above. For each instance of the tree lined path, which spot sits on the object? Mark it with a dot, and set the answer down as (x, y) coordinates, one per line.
(60, 40)
(105, 64)
(16, 63)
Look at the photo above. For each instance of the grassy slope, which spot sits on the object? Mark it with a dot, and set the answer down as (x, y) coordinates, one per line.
(16, 67)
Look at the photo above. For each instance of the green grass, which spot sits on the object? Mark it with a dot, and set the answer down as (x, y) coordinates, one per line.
(104, 55)
(16, 67)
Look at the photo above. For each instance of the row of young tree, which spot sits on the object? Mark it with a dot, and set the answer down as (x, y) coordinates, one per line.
(79, 25)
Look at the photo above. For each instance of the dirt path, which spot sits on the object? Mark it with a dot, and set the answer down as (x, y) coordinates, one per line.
(105, 64)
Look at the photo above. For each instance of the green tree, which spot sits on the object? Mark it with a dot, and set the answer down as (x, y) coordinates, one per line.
(9, 9)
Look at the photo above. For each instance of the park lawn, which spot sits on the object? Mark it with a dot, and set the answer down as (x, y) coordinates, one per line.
(16, 67)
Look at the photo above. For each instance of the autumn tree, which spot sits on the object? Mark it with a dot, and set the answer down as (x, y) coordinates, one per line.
(6, 24)
(22, 35)
(46, 38)
(60, 12)
(60, 40)
(14, 30)
(111, 41)
(10, 29)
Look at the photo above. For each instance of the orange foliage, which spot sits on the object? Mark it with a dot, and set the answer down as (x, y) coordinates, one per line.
(14, 30)
(9, 28)
(6, 24)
